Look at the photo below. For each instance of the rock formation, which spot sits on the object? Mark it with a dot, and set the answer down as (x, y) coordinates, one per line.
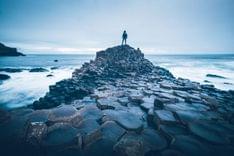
(121, 104)
(8, 51)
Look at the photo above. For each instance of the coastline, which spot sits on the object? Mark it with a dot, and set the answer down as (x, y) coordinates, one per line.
(120, 103)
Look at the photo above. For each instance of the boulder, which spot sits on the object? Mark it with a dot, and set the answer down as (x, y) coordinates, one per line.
(38, 70)
(11, 70)
(4, 77)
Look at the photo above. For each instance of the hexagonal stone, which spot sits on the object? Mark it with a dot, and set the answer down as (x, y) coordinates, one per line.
(165, 116)
(146, 106)
(166, 85)
(188, 145)
(188, 116)
(101, 147)
(168, 96)
(35, 132)
(186, 107)
(107, 103)
(60, 134)
(88, 126)
(39, 116)
(123, 101)
(158, 103)
(151, 119)
(130, 144)
(209, 131)
(153, 141)
(125, 119)
(90, 112)
(111, 131)
(173, 129)
(136, 98)
(62, 113)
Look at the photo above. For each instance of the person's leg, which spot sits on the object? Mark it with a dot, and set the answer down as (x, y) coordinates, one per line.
(122, 41)
(125, 41)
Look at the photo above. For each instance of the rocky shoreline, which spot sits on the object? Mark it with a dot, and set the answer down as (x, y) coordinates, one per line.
(121, 104)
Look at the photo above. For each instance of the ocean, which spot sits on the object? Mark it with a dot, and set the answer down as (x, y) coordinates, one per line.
(25, 87)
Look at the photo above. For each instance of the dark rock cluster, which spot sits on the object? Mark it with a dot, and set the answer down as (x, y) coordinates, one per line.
(120, 104)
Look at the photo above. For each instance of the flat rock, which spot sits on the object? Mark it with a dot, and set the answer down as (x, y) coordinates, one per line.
(165, 116)
(91, 112)
(125, 119)
(209, 131)
(153, 141)
(62, 113)
(136, 98)
(130, 144)
(186, 106)
(188, 145)
(90, 131)
(146, 106)
(101, 147)
(111, 131)
(148, 102)
(123, 101)
(60, 134)
(188, 116)
(173, 129)
(107, 103)
(88, 126)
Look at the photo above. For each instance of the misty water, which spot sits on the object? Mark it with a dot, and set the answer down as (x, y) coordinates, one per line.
(25, 87)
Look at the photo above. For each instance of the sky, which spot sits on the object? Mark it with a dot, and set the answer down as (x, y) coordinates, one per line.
(86, 26)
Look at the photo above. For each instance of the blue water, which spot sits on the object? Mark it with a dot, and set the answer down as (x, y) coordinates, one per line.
(25, 87)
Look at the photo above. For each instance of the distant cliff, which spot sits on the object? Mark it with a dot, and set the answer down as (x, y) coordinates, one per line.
(8, 51)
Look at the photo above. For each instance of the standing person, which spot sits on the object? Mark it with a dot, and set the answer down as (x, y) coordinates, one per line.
(124, 37)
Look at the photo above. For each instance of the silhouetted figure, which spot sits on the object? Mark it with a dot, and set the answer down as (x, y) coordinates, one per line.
(124, 37)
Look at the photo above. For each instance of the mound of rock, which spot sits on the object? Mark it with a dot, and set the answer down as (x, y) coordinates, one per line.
(111, 64)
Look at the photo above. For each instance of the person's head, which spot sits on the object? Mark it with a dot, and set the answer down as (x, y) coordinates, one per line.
(124, 31)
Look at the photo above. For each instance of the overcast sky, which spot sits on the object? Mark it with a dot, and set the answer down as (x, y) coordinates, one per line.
(85, 26)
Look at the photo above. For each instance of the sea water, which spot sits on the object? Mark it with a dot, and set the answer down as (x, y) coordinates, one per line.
(25, 87)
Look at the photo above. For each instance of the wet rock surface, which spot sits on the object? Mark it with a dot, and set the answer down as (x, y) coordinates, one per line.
(120, 104)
